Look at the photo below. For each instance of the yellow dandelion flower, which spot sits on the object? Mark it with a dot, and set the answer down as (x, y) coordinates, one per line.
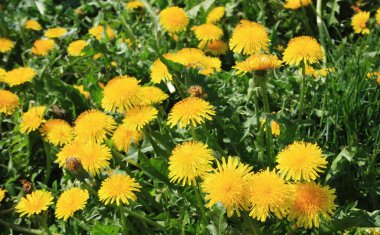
(311, 202)
(70, 150)
(135, 4)
(215, 15)
(2, 194)
(190, 111)
(216, 47)
(295, 4)
(94, 157)
(269, 193)
(97, 56)
(55, 32)
(19, 76)
(228, 185)
(3, 72)
(249, 38)
(32, 119)
(276, 128)
(195, 58)
(301, 161)
(98, 32)
(6, 45)
(121, 93)
(43, 46)
(81, 90)
(359, 22)
(93, 125)
(70, 201)
(378, 16)
(34, 203)
(189, 161)
(309, 70)
(257, 62)
(118, 188)
(152, 95)
(57, 131)
(75, 48)
(303, 49)
(33, 25)
(159, 71)
(174, 19)
(8, 102)
(124, 136)
(208, 32)
(137, 117)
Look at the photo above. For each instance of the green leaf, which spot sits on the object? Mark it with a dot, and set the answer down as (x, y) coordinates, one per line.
(101, 229)
(355, 218)
(336, 165)
(155, 168)
(218, 222)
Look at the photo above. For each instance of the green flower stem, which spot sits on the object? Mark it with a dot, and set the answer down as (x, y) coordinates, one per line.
(177, 86)
(82, 223)
(302, 95)
(255, 100)
(268, 133)
(20, 228)
(7, 211)
(128, 30)
(192, 128)
(201, 205)
(123, 222)
(252, 225)
(142, 218)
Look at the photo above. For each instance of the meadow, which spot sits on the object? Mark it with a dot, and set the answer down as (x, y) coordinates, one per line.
(189, 117)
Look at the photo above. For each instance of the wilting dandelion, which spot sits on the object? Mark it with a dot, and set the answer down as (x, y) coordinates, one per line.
(311, 203)
(159, 71)
(190, 111)
(189, 161)
(228, 185)
(301, 161)
(34, 203)
(8, 102)
(257, 62)
(70, 201)
(118, 188)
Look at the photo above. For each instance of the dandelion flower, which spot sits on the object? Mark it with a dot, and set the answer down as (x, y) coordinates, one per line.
(257, 62)
(34, 203)
(8, 102)
(19, 76)
(249, 38)
(303, 49)
(359, 22)
(152, 95)
(93, 125)
(208, 32)
(75, 48)
(81, 90)
(268, 193)
(311, 202)
(33, 25)
(301, 161)
(121, 93)
(94, 157)
(188, 161)
(98, 32)
(174, 19)
(43, 46)
(2, 194)
(118, 188)
(215, 15)
(133, 5)
(378, 16)
(55, 32)
(2, 74)
(295, 4)
(190, 111)
(57, 132)
(71, 201)
(32, 119)
(216, 47)
(228, 185)
(275, 128)
(6, 45)
(124, 136)
(70, 150)
(137, 117)
(159, 71)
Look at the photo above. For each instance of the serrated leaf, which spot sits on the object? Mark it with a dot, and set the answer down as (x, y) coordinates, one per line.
(218, 222)
(102, 229)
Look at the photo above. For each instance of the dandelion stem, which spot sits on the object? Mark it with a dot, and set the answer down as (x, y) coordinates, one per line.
(200, 204)
(7, 211)
(192, 128)
(302, 95)
(142, 218)
(123, 222)
(19, 228)
(269, 140)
